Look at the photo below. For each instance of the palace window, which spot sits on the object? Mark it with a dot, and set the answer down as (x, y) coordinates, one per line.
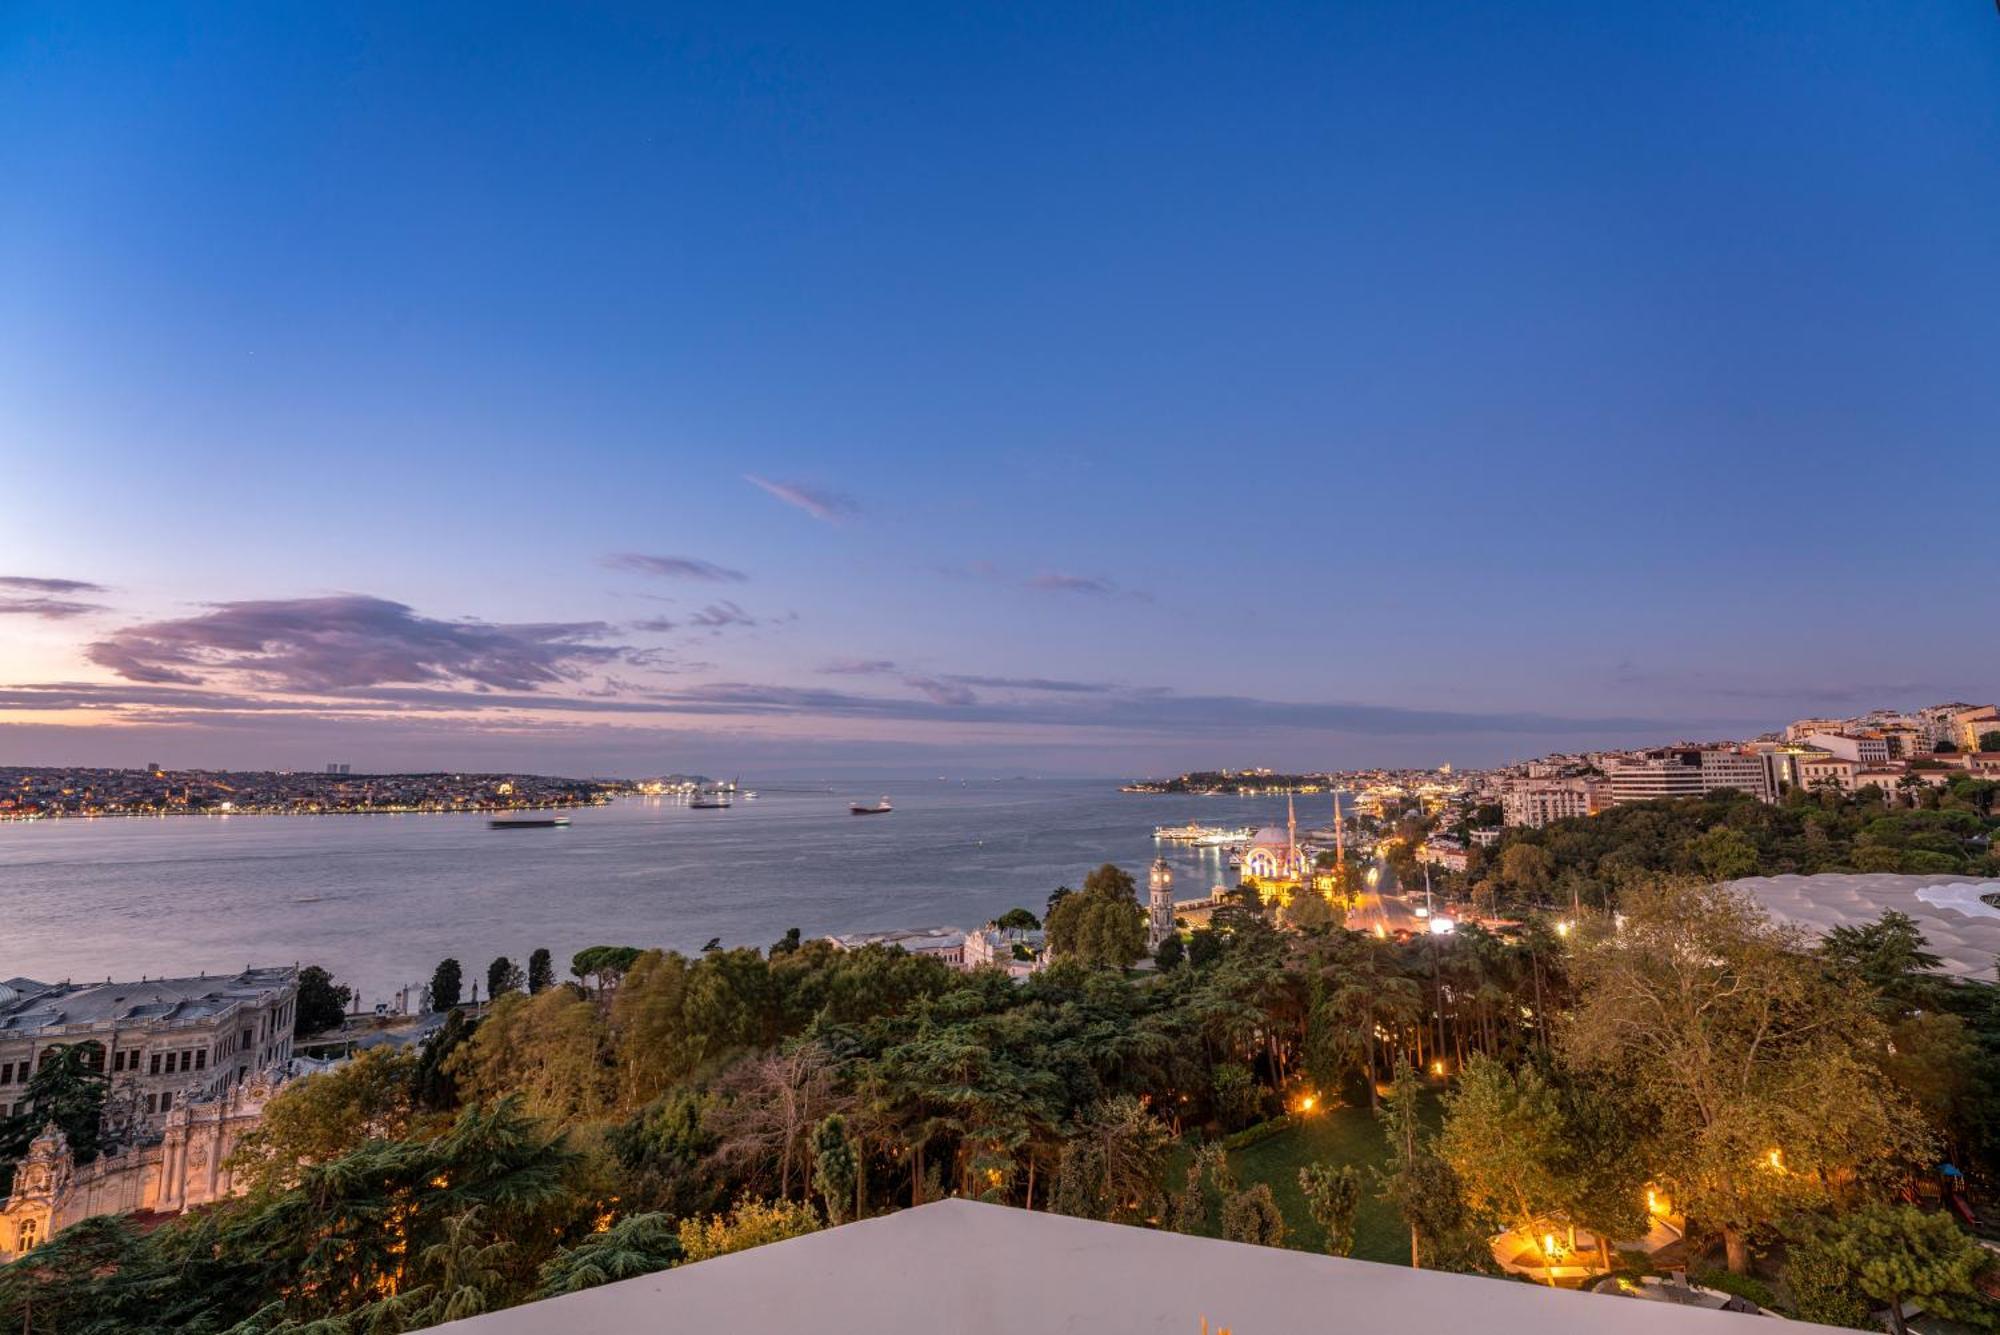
(156, 1065)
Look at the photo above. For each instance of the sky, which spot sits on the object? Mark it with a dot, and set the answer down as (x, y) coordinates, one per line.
(1026, 388)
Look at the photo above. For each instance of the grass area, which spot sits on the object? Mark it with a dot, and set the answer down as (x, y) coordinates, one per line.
(1337, 1136)
(1340, 1136)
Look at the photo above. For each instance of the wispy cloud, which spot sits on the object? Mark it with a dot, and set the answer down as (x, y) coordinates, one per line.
(719, 614)
(943, 690)
(1089, 586)
(1034, 684)
(349, 640)
(30, 596)
(655, 625)
(673, 567)
(821, 503)
(30, 584)
(857, 667)
(48, 609)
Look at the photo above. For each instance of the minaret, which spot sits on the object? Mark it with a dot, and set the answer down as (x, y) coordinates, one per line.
(1159, 904)
(1339, 837)
(1292, 836)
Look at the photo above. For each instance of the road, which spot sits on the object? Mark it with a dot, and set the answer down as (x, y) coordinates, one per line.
(1383, 906)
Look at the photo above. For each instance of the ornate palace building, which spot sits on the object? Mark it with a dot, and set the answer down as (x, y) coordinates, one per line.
(189, 1061)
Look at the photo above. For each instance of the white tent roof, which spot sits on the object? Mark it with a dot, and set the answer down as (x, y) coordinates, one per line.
(1963, 930)
(958, 1266)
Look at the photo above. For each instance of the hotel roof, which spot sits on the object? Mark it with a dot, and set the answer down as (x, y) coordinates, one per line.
(1962, 928)
(960, 1266)
(28, 1007)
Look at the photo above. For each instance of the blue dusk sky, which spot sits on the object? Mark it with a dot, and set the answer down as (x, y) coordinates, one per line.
(1074, 388)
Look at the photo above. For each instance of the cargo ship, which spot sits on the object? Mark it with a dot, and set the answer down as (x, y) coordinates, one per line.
(881, 808)
(527, 820)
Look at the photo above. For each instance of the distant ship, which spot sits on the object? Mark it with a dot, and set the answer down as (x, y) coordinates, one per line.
(709, 802)
(527, 820)
(881, 808)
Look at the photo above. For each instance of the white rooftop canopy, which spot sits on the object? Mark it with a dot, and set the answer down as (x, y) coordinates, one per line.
(1962, 929)
(985, 1269)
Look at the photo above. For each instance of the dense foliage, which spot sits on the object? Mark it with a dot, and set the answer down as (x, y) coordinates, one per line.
(662, 1108)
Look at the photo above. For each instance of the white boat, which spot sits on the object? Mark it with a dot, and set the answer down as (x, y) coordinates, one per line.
(881, 808)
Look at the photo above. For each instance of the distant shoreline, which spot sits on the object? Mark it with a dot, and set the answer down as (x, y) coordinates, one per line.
(30, 818)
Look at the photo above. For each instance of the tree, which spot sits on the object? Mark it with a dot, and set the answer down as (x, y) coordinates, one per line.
(1502, 1131)
(1112, 1165)
(447, 985)
(503, 975)
(1204, 947)
(1822, 1290)
(1252, 1216)
(1332, 1196)
(785, 944)
(636, 1245)
(1422, 1186)
(1899, 1254)
(1171, 953)
(541, 970)
(68, 1089)
(1725, 853)
(836, 1170)
(1310, 909)
(1101, 925)
(321, 1005)
(607, 964)
(748, 1224)
(1760, 1066)
(547, 1051)
(1017, 920)
(322, 1117)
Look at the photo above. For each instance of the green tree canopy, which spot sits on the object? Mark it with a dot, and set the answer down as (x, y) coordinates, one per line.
(321, 1004)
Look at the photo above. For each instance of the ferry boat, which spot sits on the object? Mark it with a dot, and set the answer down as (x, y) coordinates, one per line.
(1204, 836)
(709, 802)
(881, 808)
(527, 820)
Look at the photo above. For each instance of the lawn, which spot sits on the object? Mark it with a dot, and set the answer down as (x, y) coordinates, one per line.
(1337, 1136)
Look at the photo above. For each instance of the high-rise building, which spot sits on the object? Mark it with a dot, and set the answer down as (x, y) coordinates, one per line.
(1690, 772)
(1537, 801)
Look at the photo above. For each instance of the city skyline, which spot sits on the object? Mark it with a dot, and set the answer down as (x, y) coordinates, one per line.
(613, 393)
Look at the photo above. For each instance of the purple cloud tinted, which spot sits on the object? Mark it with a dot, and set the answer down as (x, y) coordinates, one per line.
(673, 567)
(719, 614)
(942, 691)
(1091, 586)
(827, 506)
(349, 640)
(30, 584)
(1034, 684)
(1139, 710)
(655, 625)
(858, 667)
(48, 609)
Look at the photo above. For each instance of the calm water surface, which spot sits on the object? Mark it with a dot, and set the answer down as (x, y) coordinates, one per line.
(380, 899)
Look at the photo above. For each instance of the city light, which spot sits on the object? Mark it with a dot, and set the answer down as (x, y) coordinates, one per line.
(1562, 927)
(1442, 926)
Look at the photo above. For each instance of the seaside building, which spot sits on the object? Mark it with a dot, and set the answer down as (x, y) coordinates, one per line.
(190, 1063)
(160, 1041)
(1017, 950)
(944, 943)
